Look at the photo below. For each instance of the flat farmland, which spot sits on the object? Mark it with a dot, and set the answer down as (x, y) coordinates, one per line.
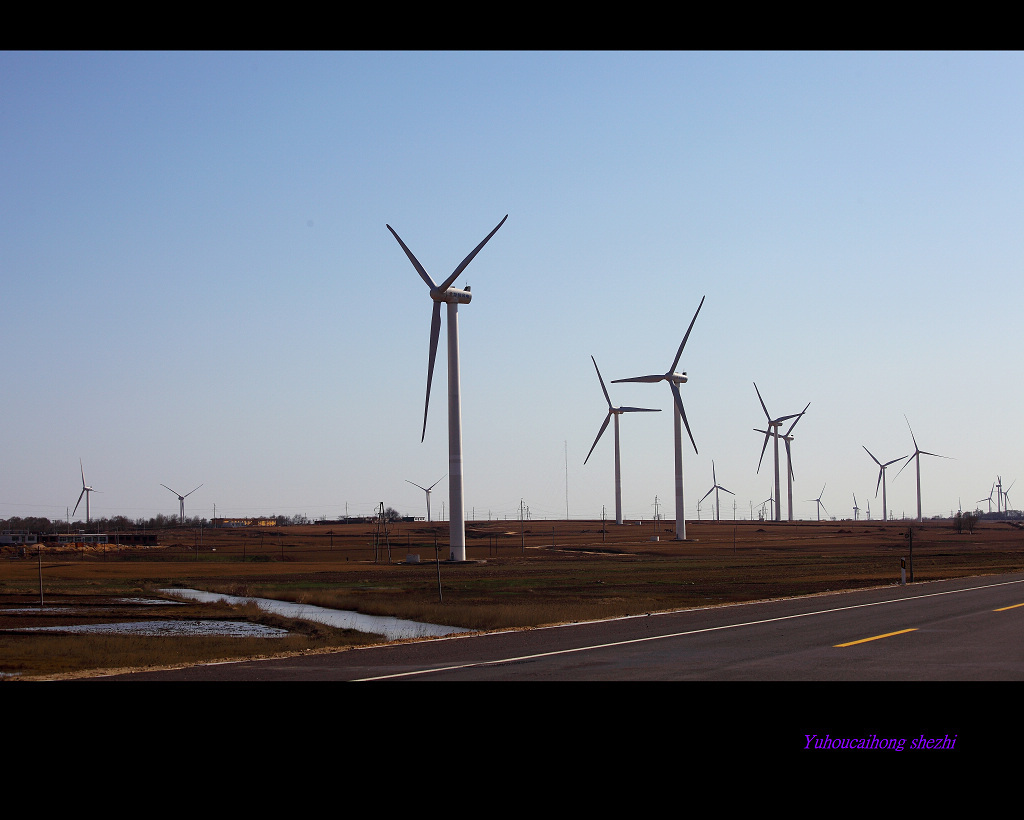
(518, 575)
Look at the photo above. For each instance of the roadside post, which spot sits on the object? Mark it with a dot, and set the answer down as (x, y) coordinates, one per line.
(903, 572)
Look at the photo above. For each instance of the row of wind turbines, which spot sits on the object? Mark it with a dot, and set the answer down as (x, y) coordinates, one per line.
(87, 490)
(452, 297)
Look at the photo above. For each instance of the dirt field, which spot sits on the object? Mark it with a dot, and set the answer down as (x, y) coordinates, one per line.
(515, 576)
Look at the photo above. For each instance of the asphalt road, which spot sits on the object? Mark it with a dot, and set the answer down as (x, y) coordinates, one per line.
(961, 630)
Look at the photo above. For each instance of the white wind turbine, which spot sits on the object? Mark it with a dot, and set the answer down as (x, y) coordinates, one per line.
(181, 500)
(821, 506)
(616, 412)
(714, 489)
(1006, 496)
(452, 297)
(881, 479)
(675, 379)
(427, 491)
(918, 452)
(856, 509)
(86, 490)
(773, 432)
(989, 499)
(788, 439)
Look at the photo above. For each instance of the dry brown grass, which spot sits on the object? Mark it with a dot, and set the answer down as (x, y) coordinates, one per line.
(548, 572)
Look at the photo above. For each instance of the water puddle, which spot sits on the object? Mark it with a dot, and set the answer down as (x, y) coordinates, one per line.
(391, 628)
(229, 629)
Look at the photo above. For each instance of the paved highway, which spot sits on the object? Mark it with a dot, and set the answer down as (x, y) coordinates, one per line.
(961, 630)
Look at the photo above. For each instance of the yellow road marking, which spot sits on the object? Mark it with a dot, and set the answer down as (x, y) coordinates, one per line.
(1003, 609)
(875, 638)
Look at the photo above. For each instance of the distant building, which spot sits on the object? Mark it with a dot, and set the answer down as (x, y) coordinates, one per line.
(244, 522)
(17, 537)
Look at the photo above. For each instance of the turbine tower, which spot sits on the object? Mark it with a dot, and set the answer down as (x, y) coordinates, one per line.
(181, 500)
(427, 491)
(714, 489)
(616, 412)
(918, 452)
(452, 297)
(86, 490)
(675, 379)
(773, 432)
(821, 506)
(881, 479)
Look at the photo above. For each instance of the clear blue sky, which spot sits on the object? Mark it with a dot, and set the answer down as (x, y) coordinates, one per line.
(199, 287)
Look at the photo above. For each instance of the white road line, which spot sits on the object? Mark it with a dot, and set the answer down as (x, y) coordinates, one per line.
(521, 658)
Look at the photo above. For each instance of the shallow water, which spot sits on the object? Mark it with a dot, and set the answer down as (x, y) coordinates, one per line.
(229, 629)
(391, 628)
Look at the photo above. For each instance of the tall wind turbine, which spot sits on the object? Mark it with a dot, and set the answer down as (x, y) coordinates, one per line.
(86, 490)
(181, 500)
(918, 452)
(427, 491)
(856, 509)
(675, 379)
(714, 489)
(452, 297)
(989, 499)
(1006, 497)
(616, 412)
(821, 506)
(881, 479)
(773, 432)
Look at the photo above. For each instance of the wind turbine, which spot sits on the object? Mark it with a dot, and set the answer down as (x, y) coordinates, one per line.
(788, 439)
(1006, 497)
(773, 432)
(452, 297)
(714, 489)
(818, 500)
(616, 412)
(86, 489)
(989, 499)
(918, 452)
(427, 491)
(856, 509)
(675, 379)
(181, 500)
(881, 479)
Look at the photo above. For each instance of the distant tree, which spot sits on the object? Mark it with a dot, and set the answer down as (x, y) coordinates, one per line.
(970, 519)
(391, 515)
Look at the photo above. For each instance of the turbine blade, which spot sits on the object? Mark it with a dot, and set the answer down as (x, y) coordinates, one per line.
(415, 262)
(727, 491)
(866, 450)
(191, 491)
(762, 403)
(763, 448)
(679, 404)
(646, 379)
(78, 502)
(414, 484)
(167, 488)
(707, 494)
(455, 274)
(442, 478)
(911, 429)
(639, 409)
(603, 388)
(909, 459)
(879, 484)
(599, 434)
(435, 331)
(687, 336)
(799, 416)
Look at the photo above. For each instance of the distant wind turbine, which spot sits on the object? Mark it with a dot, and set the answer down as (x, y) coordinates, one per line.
(918, 452)
(86, 490)
(452, 297)
(856, 509)
(714, 489)
(773, 432)
(881, 480)
(821, 506)
(181, 500)
(614, 412)
(989, 499)
(427, 491)
(675, 379)
(1006, 496)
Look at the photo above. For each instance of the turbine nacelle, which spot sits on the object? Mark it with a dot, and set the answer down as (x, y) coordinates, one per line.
(452, 296)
